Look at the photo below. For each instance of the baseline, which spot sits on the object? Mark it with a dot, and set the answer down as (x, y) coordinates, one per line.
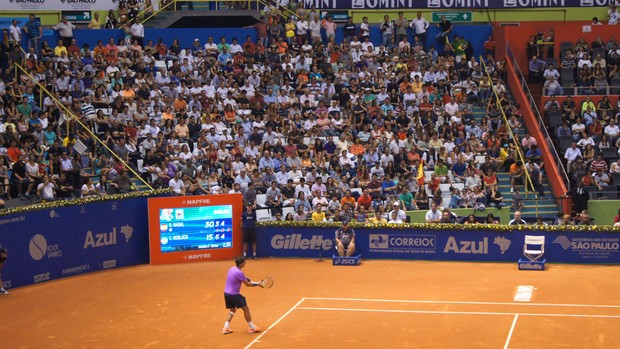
(275, 323)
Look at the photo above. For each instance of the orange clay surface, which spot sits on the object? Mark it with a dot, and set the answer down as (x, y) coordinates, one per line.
(380, 304)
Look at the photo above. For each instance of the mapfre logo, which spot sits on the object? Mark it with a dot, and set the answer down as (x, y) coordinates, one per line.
(39, 248)
(94, 240)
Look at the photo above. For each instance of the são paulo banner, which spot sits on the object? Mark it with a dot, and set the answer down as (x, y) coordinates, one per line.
(451, 4)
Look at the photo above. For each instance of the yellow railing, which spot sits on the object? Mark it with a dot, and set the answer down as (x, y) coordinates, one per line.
(520, 156)
(77, 120)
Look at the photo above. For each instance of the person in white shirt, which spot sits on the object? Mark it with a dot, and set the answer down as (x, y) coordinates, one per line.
(137, 32)
(15, 35)
(420, 26)
(613, 15)
(571, 154)
(176, 184)
(433, 215)
(612, 131)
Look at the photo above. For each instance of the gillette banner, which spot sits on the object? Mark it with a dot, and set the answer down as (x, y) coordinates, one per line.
(457, 245)
(51, 244)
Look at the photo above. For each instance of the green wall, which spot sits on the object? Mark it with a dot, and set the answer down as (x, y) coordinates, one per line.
(603, 211)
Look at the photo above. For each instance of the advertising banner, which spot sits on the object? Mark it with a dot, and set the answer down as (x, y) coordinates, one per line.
(51, 244)
(464, 245)
(450, 4)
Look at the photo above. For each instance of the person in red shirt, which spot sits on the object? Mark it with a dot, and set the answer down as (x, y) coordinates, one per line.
(364, 200)
(14, 152)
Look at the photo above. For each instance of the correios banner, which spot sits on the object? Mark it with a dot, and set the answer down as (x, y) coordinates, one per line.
(451, 4)
(60, 5)
(442, 244)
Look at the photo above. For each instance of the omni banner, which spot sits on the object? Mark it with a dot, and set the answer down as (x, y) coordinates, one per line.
(461, 245)
(61, 5)
(65, 241)
(450, 4)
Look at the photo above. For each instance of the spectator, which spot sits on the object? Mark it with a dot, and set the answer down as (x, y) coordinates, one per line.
(517, 220)
(433, 215)
(65, 30)
(445, 27)
(32, 28)
(517, 172)
(420, 26)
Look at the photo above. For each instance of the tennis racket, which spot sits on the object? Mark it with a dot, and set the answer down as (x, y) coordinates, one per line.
(267, 282)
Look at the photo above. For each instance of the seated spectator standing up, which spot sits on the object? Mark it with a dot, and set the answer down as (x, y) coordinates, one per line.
(536, 66)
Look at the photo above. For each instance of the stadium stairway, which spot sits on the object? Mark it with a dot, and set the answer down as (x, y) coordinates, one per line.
(533, 207)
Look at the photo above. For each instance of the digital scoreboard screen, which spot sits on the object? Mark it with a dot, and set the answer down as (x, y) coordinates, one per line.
(196, 228)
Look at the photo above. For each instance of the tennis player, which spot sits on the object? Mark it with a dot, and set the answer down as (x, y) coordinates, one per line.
(234, 299)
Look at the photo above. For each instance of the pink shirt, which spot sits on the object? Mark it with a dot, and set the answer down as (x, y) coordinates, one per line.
(234, 279)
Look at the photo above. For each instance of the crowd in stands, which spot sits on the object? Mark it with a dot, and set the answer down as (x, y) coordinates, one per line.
(585, 130)
(348, 130)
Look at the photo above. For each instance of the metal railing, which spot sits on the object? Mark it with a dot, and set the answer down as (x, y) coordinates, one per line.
(541, 123)
(69, 113)
(528, 179)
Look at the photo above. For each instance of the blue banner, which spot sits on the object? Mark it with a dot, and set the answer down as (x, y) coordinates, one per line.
(456, 245)
(451, 4)
(71, 240)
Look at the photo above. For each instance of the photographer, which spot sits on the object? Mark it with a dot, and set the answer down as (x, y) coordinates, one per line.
(47, 189)
(4, 254)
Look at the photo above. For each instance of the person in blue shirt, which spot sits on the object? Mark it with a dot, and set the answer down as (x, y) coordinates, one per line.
(388, 186)
(224, 57)
(34, 33)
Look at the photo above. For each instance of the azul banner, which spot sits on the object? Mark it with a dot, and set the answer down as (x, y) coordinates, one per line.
(465, 245)
(51, 244)
(61, 5)
(450, 4)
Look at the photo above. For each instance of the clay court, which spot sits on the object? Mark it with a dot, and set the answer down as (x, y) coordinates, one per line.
(380, 304)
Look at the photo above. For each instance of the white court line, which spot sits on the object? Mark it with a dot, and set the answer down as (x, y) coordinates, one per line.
(275, 323)
(456, 312)
(460, 302)
(512, 328)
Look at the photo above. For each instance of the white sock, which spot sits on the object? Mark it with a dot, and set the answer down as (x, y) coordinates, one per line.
(251, 324)
(254, 254)
(227, 324)
(245, 254)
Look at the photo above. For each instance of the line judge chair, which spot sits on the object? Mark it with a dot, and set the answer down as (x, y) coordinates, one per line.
(534, 247)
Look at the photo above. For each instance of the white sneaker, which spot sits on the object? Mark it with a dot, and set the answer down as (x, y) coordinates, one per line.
(3, 291)
(512, 189)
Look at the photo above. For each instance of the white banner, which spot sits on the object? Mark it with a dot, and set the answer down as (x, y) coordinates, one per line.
(61, 5)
